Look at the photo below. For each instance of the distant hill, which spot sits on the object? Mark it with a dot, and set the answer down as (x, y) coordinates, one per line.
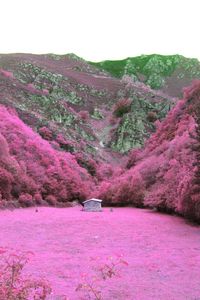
(168, 73)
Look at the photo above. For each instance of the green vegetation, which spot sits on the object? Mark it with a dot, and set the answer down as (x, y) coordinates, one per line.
(153, 68)
(144, 64)
(97, 114)
(125, 109)
(135, 126)
(51, 107)
(55, 83)
(30, 73)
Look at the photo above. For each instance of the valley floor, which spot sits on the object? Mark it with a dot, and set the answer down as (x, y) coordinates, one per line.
(163, 252)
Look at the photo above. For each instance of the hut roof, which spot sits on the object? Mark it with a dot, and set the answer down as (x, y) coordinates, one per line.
(93, 199)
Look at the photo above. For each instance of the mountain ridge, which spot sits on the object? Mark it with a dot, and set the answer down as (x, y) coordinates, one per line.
(77, 108)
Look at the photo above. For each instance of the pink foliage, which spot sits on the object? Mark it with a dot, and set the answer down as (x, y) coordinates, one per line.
(191, 90)
(87, 162)
(133, 157)
(31, 87)
(113, 120)
(14, 285)
(46, 133)
(51, 200)
(45, 92)
(121, 107)
(6, 180)
(6, 73)
(128, 189)
(152, 116)
(172, 161)
(65, 143)
(90, 286)
(26, 199)
(29, 165)
(106, 171)
(84, 115)
(37, 198)
(165, 173)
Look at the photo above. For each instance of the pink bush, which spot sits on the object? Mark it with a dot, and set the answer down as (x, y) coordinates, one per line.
(37, 198)
(6, 180)
(192, 90)
(105, 171)
(65, 143)
(30, 165)
(84, 115)
(45, 92)
(152, 116)
(172, 161)
(133, 157)
(26, 199)
(121, 107)
(166, 173)
(51, 200)
(46, 133)
(13, 284)
(113, 120)
(128, 189)
(91, 285)
(86, 162)
(6, 73)
(31, 87)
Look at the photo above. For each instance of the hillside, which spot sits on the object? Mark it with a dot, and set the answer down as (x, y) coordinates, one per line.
(67, 95)
(74, 122)
(165, 173)
(32, 172)
(168, 73)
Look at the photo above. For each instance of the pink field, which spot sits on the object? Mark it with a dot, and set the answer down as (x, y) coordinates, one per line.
(163, 251)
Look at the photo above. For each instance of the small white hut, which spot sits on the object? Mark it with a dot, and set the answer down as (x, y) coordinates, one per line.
(92, 205)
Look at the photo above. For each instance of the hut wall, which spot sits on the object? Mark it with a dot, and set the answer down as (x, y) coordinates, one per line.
(92, 206)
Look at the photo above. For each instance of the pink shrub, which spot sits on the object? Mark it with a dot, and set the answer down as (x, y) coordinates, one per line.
(121, 107)
(13, 284)
(4, 149)
(84, 115)
(88, 163)
(37, 198)
(133, 157)
(91, 284)
(45, 92)
(105, 171)
(131, 190)
(6, 180)
(191, 199)
(173, 165)
(166, 173)
(128, 189)
(192, 90)
(46, 133)
(113, 120)
(6, 73)
(31, 87)
(152, 116)
(26, 199)
(65, 143)
(55, 145)
(30, 165)
(51, 200)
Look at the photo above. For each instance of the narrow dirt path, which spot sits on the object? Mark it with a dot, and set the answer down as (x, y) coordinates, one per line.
(163, 251)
